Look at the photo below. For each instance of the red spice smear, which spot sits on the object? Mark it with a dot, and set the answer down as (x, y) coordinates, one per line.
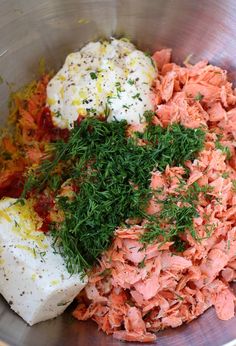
(13, 185)
(42, 207)
(47, 130)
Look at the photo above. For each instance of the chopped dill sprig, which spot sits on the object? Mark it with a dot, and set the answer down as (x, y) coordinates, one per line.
(234, 185)
(177, 214)
(112, 174)
(225, 150)
(198, 97)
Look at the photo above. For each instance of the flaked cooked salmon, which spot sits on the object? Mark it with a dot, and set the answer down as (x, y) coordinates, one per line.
(138, 289)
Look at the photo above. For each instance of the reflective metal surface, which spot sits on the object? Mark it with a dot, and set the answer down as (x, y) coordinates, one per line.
(31, 29)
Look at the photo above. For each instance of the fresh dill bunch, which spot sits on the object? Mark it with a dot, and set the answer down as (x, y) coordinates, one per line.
(113, 176)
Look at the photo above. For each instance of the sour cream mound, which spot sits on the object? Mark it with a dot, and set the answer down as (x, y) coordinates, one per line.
(112, 78)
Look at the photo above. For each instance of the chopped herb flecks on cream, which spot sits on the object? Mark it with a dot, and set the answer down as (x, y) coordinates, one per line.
(114, 79)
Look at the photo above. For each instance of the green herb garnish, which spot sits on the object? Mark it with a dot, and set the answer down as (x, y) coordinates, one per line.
(149, 55)
(225, 150)
(92, 111)
(179, 244)
(125, 107)
(198, 97)
(179, 297)
(58, 114)
(113, 176)
(105, 272)
(137, 96)
(141, 264)
(107, 111)
(177, 215)
(54, 182)
(234, 185)
(148, 115)
(225, 175)
(93, 75)
(118, 86)
(131, 81)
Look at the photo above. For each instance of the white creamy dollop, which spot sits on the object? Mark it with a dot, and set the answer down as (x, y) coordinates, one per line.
(112, 78)
(33, 278)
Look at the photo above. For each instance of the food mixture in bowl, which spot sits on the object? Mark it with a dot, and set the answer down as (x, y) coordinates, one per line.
(118, 189)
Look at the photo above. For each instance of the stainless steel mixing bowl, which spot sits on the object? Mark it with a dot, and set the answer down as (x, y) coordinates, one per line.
(31, 29)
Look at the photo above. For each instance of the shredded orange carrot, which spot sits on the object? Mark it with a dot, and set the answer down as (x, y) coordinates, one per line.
(33, 129)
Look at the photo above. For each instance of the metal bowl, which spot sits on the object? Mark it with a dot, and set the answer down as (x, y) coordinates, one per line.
(31, 29)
